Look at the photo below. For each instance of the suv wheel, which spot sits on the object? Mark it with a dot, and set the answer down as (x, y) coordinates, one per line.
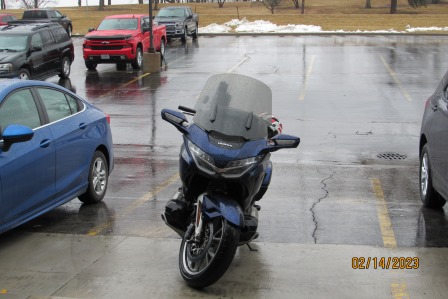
(138, 62)
(24, 74)
(91, 66)
(65, 67)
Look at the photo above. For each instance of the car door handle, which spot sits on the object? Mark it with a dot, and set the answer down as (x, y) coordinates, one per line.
(45, 143)
(82, 126)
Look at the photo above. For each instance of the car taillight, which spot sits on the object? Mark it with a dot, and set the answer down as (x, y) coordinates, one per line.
(108, 118)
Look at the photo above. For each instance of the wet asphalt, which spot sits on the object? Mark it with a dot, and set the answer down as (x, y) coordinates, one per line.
(350, 190)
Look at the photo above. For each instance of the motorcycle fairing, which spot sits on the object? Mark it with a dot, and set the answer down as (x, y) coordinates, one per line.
(216, 205)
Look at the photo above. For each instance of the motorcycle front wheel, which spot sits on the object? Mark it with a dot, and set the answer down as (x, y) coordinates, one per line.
(203, 263)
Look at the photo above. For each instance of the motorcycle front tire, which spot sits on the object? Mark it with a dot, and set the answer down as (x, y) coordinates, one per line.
(203, 267)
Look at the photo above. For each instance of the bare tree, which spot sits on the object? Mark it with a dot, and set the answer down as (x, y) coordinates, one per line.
(221, 3)
(271, 4)
(296, 3)
(368, 5)
(303, 7)
(393, 6)
(33, 3)
(3, 4)
(417, 3)
(101, 5)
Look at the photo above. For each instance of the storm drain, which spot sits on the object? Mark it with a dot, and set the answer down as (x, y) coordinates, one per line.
(391, 156)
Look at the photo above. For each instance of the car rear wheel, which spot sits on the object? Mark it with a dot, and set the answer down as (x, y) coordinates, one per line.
(91, 66)
(98, 179)
(65, 67)
(429, 196)
(138, 62)
(24, 74)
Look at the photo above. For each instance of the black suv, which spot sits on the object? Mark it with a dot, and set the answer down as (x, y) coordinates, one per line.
(36, 50)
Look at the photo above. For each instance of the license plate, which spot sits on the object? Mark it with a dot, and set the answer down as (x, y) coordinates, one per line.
(105, 56)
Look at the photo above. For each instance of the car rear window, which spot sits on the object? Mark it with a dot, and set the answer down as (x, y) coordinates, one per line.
(60, 34)
(55, 103)
(34, 14)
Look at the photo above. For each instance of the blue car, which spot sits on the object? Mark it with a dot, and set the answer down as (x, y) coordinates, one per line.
(54, 146)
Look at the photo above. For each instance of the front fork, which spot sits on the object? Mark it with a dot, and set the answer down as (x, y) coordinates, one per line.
(199, 222)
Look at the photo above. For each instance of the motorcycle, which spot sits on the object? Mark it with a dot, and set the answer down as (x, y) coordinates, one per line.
(225, 169)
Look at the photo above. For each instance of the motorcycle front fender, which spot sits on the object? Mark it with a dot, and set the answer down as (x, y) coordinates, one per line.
(214, 205)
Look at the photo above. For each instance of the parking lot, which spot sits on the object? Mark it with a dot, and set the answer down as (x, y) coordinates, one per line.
(349, 193)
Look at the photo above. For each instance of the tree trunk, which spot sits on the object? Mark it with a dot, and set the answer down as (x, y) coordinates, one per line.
(101, 5)
(368, 5)
(393, 6)
(303, 7)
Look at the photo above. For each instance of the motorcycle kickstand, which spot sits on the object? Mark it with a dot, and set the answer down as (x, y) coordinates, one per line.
(250, 248)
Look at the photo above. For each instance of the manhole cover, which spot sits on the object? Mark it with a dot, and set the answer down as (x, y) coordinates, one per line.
(391, 156)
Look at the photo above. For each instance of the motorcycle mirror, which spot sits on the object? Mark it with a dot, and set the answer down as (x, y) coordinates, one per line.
(176, 118)
(286, 141)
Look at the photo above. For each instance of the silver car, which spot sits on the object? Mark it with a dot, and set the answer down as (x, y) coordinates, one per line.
(434, 148)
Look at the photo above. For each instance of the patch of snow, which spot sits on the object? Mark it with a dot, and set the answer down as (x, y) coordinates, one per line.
(245, 26)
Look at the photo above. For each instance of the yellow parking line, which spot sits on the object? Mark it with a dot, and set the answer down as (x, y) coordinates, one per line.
(125, 84)
(305, 83)
(398, 287)
(383, 216)
(238, 64)
(133, 206)
(397, 81)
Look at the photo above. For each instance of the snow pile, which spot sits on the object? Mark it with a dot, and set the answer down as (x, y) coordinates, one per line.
(243, 26)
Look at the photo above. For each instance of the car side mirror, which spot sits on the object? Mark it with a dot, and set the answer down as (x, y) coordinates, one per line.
(14, 134)
(91, 29)
(36, 48)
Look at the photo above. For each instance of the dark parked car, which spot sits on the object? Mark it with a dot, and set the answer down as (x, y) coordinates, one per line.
(36, 50)
(5, 18)
(434, 148)
(48, 15)
(54, 146)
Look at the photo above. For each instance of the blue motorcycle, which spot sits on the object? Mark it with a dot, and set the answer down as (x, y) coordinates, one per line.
(225, 169)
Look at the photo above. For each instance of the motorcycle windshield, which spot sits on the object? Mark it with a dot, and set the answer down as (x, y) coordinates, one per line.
(235, 106)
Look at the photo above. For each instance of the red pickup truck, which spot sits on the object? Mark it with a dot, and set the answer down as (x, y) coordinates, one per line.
(121, 39)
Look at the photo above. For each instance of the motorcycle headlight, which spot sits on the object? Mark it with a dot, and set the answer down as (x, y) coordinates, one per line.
(233, 169)
(202, 160)
(6, 67)
(240, 167)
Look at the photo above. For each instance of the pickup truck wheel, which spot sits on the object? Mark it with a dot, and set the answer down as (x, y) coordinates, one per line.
(195, 33)
(138, 62)
(162, 47)
(184, 37)
(91, 66)
(24, 74)
(65, 67)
